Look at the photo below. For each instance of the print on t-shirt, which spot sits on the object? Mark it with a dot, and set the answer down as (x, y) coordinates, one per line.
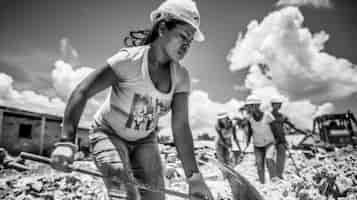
(145, 112)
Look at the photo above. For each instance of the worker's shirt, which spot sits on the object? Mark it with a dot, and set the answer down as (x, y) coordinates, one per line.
(134, 105)
(262, 134)
(278, 128)
(225, 135)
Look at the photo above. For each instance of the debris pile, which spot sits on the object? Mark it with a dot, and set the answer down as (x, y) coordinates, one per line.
(324, 175)
(44, 183)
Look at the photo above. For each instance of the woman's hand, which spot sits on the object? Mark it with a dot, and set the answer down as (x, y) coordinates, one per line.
(198, 189)
(63, 156)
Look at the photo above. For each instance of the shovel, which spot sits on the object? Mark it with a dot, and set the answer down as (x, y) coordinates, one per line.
(45, 160)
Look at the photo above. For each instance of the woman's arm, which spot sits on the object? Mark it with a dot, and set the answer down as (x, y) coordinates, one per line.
(95, 82)
(182, 133)
(249, 132)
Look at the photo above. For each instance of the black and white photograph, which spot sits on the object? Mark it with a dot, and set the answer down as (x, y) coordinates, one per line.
(178, 99)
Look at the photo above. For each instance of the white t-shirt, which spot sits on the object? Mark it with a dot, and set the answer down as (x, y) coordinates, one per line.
(262, 134)
(134, 106)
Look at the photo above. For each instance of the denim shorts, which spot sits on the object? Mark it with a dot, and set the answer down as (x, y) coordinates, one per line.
(140, 160)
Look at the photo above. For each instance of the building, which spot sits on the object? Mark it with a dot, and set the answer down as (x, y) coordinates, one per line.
(26, 131)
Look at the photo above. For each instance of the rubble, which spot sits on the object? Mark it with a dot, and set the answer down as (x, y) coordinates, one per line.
(325, 175)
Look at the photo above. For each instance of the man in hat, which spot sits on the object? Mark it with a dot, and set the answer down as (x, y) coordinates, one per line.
(259, 127)
(278, 128)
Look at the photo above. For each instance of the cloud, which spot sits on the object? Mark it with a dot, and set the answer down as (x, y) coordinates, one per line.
(240, 88)
(68, 73)
(203, 112)
(312, 3)
(285, 60)
(195, 80)
(14, 71)
(27, 100)
(69, 53)
(279, 51)
(302, 112)
(65, 78)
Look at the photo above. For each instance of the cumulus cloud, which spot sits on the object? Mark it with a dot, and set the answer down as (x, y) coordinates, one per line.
(203, 112)
(287, 61)
(66, 75)
(240, 88)
(283, 53)
(68, 53)
(312, 3)
(302, 112)
(27, 100)
(195, 80)
(65, 78)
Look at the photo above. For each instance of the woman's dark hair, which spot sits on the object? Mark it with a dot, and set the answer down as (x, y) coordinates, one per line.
(221, 124)
(145, 37)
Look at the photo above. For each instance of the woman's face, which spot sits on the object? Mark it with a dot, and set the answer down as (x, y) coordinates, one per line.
(178, 41)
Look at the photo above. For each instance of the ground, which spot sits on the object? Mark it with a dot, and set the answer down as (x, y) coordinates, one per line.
(324, 175)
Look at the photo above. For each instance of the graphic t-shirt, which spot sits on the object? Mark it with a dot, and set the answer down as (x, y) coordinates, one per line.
(134, 106)
(262, 134)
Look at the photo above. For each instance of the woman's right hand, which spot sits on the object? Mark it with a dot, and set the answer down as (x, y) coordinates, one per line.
(63, 156)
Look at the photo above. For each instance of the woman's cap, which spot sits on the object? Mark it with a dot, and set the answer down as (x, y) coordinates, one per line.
(252, 100)
(222, 115)
(276, 100)
(185, 10)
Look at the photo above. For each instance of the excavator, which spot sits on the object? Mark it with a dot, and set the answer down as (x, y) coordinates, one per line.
(331, 130)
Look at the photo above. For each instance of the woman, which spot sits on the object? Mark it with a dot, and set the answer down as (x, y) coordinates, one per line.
(259, 127)
(146, 81)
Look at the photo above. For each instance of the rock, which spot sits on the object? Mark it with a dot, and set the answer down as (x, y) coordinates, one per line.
(36, 186)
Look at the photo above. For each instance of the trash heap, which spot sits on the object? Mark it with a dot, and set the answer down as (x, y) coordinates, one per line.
(324, 176)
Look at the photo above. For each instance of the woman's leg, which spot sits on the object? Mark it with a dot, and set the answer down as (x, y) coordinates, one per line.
(280, 160)
(111, 156)
(222, 153)
(147, 166)
(260, 162)
(271, 155)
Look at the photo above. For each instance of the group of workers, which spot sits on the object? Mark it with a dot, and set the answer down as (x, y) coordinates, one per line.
(266, 128)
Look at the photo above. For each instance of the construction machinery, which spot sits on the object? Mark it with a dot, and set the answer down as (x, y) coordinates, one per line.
(332, 130)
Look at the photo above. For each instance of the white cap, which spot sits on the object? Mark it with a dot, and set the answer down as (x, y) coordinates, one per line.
(185, 10)
(276, 100)
(252, 100)
(222, 115)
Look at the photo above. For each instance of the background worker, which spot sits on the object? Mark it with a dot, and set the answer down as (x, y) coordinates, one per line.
(259, 127)
(224, 144)
(225, 138)
(279, 126)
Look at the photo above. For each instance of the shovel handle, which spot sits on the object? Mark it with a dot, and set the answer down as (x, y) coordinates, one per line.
(33, 157)
(45, 160)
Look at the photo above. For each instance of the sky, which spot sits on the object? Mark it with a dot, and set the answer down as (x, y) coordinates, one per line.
(300, 50)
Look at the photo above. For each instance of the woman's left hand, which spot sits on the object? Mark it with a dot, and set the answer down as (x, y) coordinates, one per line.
(198, 189)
